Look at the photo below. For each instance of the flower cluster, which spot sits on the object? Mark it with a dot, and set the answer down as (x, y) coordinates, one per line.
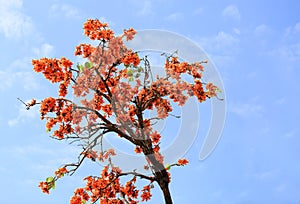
(63, 116)
(107, 189)
(61, 172)
(131, 58)
(182, 162)
(55, 70)
(129, 33)
(96, 30)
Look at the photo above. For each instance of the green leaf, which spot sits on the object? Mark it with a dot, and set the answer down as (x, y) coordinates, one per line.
(53, 185)
(129, 72)
(140, 69)
(168, 167)
(49, 179)
(130, 79)
(88, 65)
(218, 90)
(80, 67)
(83, 202)
(48, 130)
(51, 182)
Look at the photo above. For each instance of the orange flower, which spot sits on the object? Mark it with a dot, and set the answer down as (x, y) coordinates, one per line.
(129, 33)
(44, 186)
(182, 162)
(146, 123)
(32, 102)
(211, 89)
(146, 195)
(199, 91)
(131, 58)
(155, 137)
(138, 149)
(60, 172)
(107, 109)
(76, 200)
(94, 29)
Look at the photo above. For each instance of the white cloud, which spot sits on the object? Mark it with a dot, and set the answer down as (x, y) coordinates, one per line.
(231, 12)
(262, 30)
(237, 31)
(46, 50)
(13, 22)
(198, 11)
(8, 79)
(246, 109)
(55, 156)
(289, 52)
(281, 188)
(23, 115)
(11, 4)
(289, 49)
(146, 9)
(64, 9)
(272, 173)
(280, 101)
(20, 73)
(29, 82)
(251, 75)
(224, 40)
(290, 134)
(31, 149)
(174, 16)
(222, 44)
(222, 47)
(291, 31)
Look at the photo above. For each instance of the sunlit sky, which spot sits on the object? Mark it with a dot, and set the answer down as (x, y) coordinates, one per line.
(255, 46)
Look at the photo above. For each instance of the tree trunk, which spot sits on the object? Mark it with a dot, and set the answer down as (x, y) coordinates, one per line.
(166, 191)
(160, 173)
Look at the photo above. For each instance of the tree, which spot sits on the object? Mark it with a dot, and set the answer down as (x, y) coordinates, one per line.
(116, 88)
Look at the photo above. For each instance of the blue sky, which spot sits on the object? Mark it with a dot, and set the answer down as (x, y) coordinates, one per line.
(256, 48)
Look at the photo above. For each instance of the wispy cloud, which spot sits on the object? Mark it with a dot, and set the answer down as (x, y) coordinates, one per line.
(198, 11)
(53, 157)
(281, 188)
(23, 115)
(289, 48)
(13, 22)
(293, 31)
(19, 73)
(46, 50)
(269, 174)
(290, 134)
(231, 12)
(222, 47)
(174, 16)
(288, 52)
(246, 109)
(262, 29)
(8, 79)
(280, 101)
(222, 42)
(66, 10)
(147, 9)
